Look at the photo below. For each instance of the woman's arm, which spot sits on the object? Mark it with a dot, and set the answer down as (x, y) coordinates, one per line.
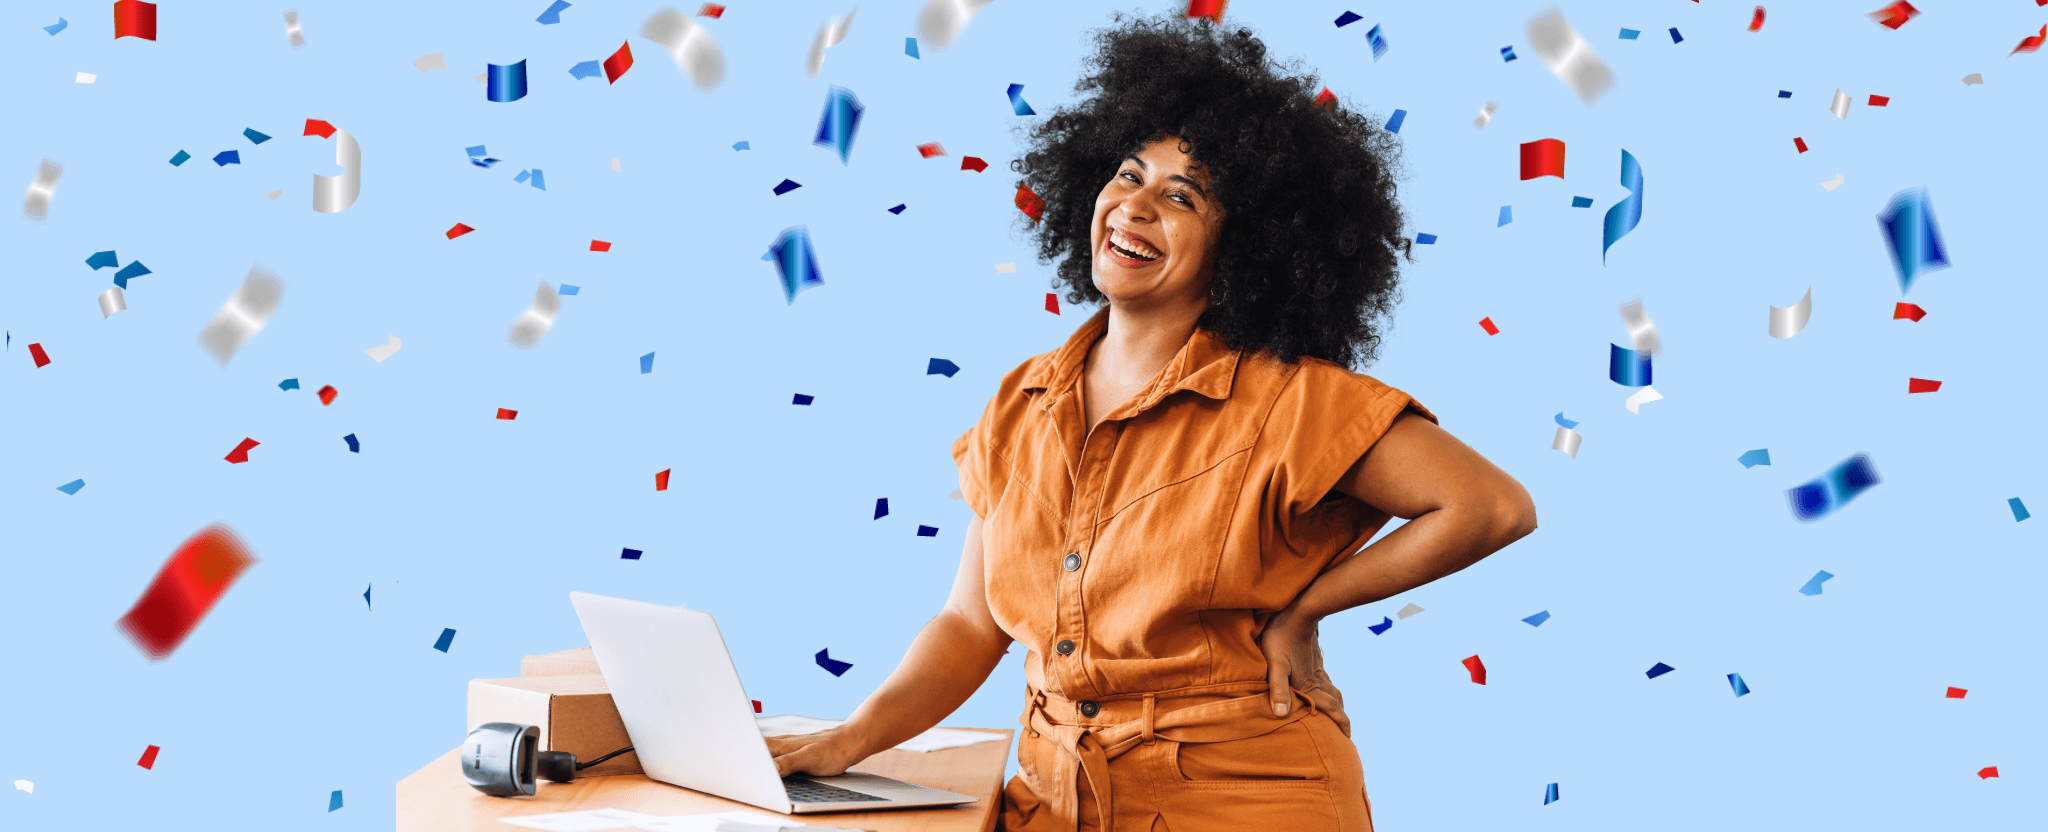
(947, 663)
(1460, 508)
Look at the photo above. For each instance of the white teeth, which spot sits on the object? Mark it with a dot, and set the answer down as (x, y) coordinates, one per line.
(1117, 238)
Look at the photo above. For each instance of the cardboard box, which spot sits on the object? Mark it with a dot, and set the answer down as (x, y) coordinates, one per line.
(577, 662)
(574, 714)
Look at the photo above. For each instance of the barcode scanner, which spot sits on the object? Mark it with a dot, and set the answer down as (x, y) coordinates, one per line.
(504, 759)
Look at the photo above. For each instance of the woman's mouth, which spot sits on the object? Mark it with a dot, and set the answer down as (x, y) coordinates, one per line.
(1130, 248)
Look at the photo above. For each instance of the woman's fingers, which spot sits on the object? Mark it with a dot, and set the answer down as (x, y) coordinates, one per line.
(1277, 685)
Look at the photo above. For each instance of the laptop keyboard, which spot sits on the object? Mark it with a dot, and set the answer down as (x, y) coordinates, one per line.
(806, 791)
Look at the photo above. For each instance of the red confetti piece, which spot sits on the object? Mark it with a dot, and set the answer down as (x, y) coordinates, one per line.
(1029, 203)
(1799, 143)
(600, 245)
(459, 230)
(2029, 44)
(134, 19)
(1756, 19)
(35, 351)
(619, 62)
(1987, 772)
(1478, 669)
(757, 705)
(1052, 303)
(507, 415)
(973, 163)
(930, 150)
(327, 394)
(1922, 385)
(713, 11)
(1956, 692)
(1486, 323)
(1880, 100)
(661, 480)
(1907, 310)
(1543, 157)
(1326, 99)
(1894, 15)
(241, 452)
(188, 585)
(148, 760)
(316, 127)
(1212, 9)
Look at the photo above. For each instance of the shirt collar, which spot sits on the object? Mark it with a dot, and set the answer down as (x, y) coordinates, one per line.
(1204, 366)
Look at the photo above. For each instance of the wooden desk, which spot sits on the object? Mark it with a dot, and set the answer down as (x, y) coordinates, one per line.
(435, 798)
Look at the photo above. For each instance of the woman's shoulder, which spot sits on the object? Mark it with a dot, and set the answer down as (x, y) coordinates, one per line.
(1313, 376)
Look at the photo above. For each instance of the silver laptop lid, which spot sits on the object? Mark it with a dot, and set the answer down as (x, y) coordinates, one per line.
(680, 698)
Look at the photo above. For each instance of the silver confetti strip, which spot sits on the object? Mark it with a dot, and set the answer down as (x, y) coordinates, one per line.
(830, 33)
(1566, 440)
(940, 21)
(427, 62)
(1641, 330)
(1569, 57)
(243, 315)
(291, 28)
(332, 194)
(112, 301)
(1788, 321)
(1485, 115)
(539, 318)
(36, 206)
(1839, 106)
(695, 52)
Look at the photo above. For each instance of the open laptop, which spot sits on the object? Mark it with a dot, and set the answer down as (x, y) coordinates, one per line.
(692, 724)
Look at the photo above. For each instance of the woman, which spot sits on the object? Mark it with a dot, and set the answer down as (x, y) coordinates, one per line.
(1164, 505)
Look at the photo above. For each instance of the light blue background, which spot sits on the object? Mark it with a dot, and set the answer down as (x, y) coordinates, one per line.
(1655, 545)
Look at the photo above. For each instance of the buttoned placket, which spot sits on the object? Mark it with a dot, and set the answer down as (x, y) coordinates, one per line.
(1091, 480)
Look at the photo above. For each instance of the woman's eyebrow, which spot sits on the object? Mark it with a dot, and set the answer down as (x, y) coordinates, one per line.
(1189, 182)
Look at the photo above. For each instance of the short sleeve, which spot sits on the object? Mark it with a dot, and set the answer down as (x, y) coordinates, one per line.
(970, 453)
(1324, 420)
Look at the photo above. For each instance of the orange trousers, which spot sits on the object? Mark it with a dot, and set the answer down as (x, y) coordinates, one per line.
(1187, 760)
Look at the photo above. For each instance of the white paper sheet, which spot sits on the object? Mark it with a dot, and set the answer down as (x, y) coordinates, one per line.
(594, 820)
(710, 823)
(936, 739)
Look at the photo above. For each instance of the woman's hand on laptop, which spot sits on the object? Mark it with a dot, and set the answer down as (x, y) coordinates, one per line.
(824, 753)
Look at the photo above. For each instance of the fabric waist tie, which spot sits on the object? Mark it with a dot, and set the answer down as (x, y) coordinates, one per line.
(1087, 749)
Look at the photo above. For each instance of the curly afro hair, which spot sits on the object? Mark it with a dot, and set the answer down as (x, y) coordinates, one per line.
(1309, 256)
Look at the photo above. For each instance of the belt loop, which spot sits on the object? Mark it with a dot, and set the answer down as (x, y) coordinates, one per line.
(1145, 728)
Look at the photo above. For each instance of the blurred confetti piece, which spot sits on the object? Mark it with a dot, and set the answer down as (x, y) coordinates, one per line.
(459, 230)
(881, 508)
(757, 705)
(507, 83)
(1911, 236)
(1550, 791)
(553, 15)
(1567, 55)
(1407, 611)
(447, 638)
(134, 19)
(2030, 42)
(1052, 303)
(647, 363)
(2019, 509)
(1922, 385)
(973, 163)
(1833, 490)
(1030, 203)
(940, 21)
(1751, 459)
(1537, 619)
(507, 415)
(1787, 321)
(955, 494)
(1642, 332)
(129, 272)
(1630, 34)
(570, 290)
(539, 317)
(840, 122)
(86, 78)
(24, 785)
(334, 800)
(615, 164)
(1477, 668)
(1642, 397)
(1566, 440)
(802, 399)
(111, 301)
(1425, 239)
(615, 66)
(1880, 101)
(148, 760)
(1373, 37)
(1486, 323)
(795, 261)
(1975, 77)
(940, 366)
(786, 186)
(1507, 215)
(695, 52)
(333, 194)
(191, 581)
(35, 351)
(1627, 367)
(1563, 422)
(1987, 772)
(898, 209)
(53, 29)
(36, 205)
(1756, 19)
(830, 33)
(600, 245)
(1325, 99)
(1543, 157)
(1784, 93)
(243, 315)
(1658, 669)
(661, 479)
(1735, 682)
(927, 531)
(1675, 36)
(1382, 627)
(1485, 115)
(426, 62)
(1347, 19)
(390, 348)
(291, 29)
(180, 159)
(1799, 143)
(288, 385)
(1894, 15)
(327, 394)
(1507, 54)
(1840, 105)
(72, 487)
(1909, 311)
(910, 47)
(929, 150)
(1022, 108)
(713, 11)
(1626, 214)
(1006, 268)
(241, 452)
(273, 195)
(355, 447)
(1833, 183)
(832, 665)
(1812, 586)
(1957, 693)
(1582, 202)
(629, 554)
(1212, 9)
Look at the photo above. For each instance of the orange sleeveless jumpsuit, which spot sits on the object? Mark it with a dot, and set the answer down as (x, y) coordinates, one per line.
(1138, 562)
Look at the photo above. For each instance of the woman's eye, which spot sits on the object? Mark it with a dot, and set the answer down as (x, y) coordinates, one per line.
(1129, 175)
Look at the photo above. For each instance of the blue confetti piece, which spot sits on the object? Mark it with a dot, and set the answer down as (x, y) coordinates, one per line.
(1812, 586)
(1425, 239)
(587, 69)
(334, 800)
(447, 638)
(1675, 36)
(898, 209)
(570, 290)
(1394, 123)
(1623, 217)
(476, 150)
(803, 399)
(1735, 681)
(1629, 34)
(1628, 368)
(523, 176)
(940, 366)
(1507, 215)
(553, 15)
(507, 83)
(254, 136)
(132, 270)
(366, 596)
(288, 384)
(1017, 103)
(1582, 202)
(180, 158)
(927, 531)
(1784, 93)
(1347, 19)
(795, 261)
(741, 146)
(786, 186)
(1386, 623)
(1828, 492)
(647, 363)
(1379, 44)
(1751, 459)
(1507, 54)
(832, 665)
(839, 123)
(54, 28)
(72, 486)
(1658, 670)
(103, 260)
(1911, 236)
(629, 554)
(910, 47)
(354, 447)
(1550, 794)
(1563, 422)
(1537, 619)
(538, 182)
(881, 507)
(2019, 510)
(227, 157)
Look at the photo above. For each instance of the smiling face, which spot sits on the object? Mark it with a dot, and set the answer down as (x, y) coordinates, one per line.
(1155, 231)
